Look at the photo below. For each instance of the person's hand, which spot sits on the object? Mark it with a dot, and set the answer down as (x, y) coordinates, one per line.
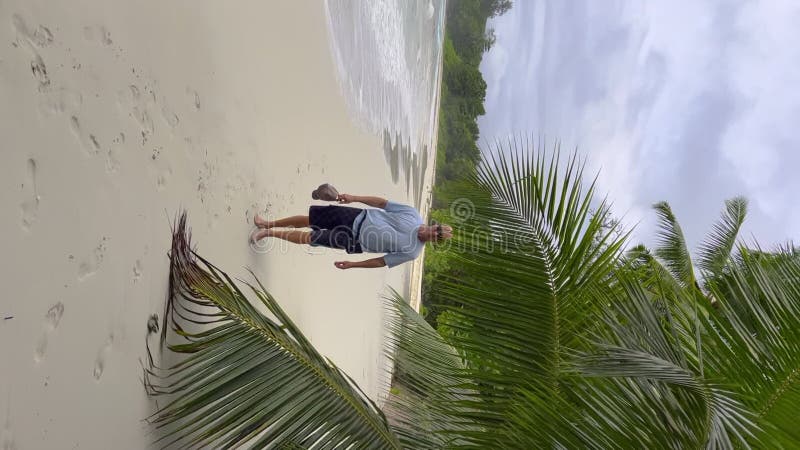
(343, 264)
(345, 198)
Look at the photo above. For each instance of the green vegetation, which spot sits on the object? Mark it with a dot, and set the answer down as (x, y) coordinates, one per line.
(559, 339)
(462, 97)
(463, 87)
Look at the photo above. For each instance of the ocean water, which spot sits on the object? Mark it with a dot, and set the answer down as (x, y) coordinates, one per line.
(388, 59)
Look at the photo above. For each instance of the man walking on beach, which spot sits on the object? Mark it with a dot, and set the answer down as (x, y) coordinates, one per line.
(388, 227)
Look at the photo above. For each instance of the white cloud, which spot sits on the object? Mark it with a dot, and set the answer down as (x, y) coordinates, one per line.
(690, 102)
(765, 68)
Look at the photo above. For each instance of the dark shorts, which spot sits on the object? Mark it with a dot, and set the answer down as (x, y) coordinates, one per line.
(332, 226)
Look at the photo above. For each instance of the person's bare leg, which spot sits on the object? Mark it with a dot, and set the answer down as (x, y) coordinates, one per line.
(294, 221)
(294, 236)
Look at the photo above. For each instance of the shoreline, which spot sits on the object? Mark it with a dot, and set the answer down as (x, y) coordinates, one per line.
(418, 266)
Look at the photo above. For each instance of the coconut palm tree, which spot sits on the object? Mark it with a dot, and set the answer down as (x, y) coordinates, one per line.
(554, 339)
(727, 342)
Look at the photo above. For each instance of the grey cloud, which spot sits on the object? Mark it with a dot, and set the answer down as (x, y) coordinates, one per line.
(651, 94)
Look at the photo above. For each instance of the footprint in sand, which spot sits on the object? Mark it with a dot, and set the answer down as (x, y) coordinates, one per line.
(102, 357)
(132, 101)
(32, 39)
(89, 142)
(163, 179)
(112, 160)
(91, 264)
(58, 101)
(138, 269)
(51, 321)
(256, 210)
(98, 33)
(40, 37)
(206, 178)
(195, 97)
(30, 207)
(114, 153)
(39, 71)
(53, 100)
(169, 115)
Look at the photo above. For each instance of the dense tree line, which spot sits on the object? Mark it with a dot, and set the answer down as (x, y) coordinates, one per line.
(462, 97)
(463, 86)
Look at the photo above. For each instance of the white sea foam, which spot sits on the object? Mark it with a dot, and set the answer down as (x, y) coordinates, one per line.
(387, 55)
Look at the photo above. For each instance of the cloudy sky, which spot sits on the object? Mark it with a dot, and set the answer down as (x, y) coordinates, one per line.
(687, 101)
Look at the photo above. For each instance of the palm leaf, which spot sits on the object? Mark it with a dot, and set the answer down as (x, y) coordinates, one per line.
(715, 250)
(644, 347)
(672, 247)
(529, 268)
(739, 387)
(653, 276)
(756, 339)
(436, 391)
(249, 378)
(547, 419)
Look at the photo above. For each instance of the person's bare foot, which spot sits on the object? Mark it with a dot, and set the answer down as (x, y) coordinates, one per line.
(261, 223)
(259, 235)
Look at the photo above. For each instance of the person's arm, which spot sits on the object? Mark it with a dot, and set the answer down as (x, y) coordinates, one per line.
(366, 264)
(375, 202)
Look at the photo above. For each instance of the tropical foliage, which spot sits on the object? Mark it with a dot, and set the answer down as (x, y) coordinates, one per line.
(463, 91)
(463, 87)
(553, 337)
(249, 377)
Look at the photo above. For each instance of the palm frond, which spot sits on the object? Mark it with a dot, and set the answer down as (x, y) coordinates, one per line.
(715, 250)
(547, 419)
(644, 346)
(529, 267)
(756, 340)
(654, 277)
(436, 393)
(249, 378)
(742, 377)
(672, 247)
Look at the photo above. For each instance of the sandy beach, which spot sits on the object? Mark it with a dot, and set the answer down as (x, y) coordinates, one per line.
(116, 115)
